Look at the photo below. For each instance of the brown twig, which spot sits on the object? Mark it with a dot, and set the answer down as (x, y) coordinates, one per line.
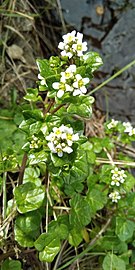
(57, 108)
(22, 169)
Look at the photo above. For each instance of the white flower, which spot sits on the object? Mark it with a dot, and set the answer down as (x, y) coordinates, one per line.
(61, 140)
(79, 47)
(112, 124)
(131, 132)
(118, 176)
(68, 74)
(79, 84)
(35, 142)
(72, 45)
(115, 196)
(43, 81)
(68, 38)
(61, 46)
(67, 149)
(62, 87)
(115, 182)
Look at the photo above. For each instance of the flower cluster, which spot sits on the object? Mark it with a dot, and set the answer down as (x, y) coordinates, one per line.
(61, 140)
(72, 44)
(71, 82)
(118, 178)
(115, 196)
(128, 128)
(112, 124)
(35, 142)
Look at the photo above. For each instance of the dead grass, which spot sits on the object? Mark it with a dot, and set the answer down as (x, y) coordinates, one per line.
(34, 29)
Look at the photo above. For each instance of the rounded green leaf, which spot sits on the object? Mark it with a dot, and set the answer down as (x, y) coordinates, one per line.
(113, 262)
(11, 265)
(28, 197)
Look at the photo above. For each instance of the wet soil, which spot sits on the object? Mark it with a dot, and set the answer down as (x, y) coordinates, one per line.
(109, 28)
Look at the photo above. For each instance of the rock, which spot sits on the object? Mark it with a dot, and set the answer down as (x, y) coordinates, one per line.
(16, 53)
(118, 46)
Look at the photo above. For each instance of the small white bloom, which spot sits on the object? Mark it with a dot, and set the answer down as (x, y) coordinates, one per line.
(118, 176)
(61, 140)
(68, 150)
(115, 196)
(128, 127)
(61, 46)
(115, 182)
(70, 37)
(43, 81)
(62, 87)
(79, 48)
(112, 124)
(60, 93)
(52, 147)
(80, 83)
(79, 37)
(68, 74)
(131, 132)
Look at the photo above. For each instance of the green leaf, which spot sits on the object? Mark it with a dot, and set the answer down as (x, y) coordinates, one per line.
(32, 175)
(113, 262)
(58, 161)
(77, 174)
(44, 68)
(9, 264)
(35, 127)
(38, 157)
(109, 243)
(93, 59)
(35, 114)
(75, 237)
(32, 95)
(96, 199)
(83, 108)
(129, 183)
(27, 228)
(88, 148)
(25, 125)
(124, 228)
(28, 197)
(50, 251)
(49, 245)
(80, 214)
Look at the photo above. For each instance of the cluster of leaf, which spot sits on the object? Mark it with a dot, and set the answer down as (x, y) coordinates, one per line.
(71, 192)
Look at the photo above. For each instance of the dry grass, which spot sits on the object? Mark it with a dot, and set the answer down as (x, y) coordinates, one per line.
(29, 29)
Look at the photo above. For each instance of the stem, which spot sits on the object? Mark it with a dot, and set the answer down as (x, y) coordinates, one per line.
(90, 246)
(57, 108)
(118, 162)
(49, 106)
(22, 169)
(4, 196)
(113, 77)
(61, 208)
(59, 256)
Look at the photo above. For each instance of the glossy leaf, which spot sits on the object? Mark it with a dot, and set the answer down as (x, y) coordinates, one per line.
(27, 228)
(96, 199)
(28, 197)
(111, 262)
(124, 228)
(11, 264)
(80, 214)
(93, 59)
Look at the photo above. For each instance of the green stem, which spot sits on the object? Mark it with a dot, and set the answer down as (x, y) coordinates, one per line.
(90, 246)
(4, 196)
(112, 77)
